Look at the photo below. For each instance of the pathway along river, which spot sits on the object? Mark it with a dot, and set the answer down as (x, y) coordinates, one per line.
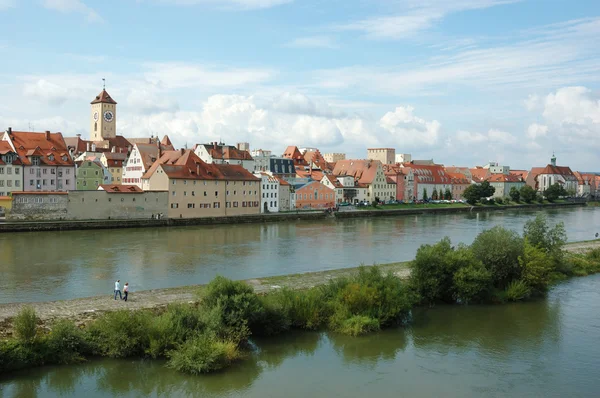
(546, 348)
(48, 266)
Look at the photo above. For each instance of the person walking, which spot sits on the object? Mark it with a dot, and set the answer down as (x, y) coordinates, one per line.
(125, 291)
(118, 289)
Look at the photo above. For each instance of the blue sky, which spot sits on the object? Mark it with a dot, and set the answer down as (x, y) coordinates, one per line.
(460, 81)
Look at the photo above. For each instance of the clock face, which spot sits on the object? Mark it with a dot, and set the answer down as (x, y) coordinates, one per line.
(108, 116)
(96, 116)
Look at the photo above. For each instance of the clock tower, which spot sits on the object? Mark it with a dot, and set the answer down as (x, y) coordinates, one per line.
(103, 122)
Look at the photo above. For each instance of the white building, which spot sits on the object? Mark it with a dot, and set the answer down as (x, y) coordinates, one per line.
(403, 157)
(269, 193)
(219, 153)
(141, 158)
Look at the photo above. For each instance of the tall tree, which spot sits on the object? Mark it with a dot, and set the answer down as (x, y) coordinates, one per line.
(527, 193)
(514, 194)
(424, 193)
(448, 194)
(434, 194)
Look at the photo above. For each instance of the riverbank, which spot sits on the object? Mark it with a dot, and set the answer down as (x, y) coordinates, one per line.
(84, 310)
(266, 218)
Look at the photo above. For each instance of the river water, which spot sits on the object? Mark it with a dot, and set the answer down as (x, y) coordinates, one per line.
(546, 348)
(46, 266)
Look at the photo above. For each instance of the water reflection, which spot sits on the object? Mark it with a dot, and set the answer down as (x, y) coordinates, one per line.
(371, 349)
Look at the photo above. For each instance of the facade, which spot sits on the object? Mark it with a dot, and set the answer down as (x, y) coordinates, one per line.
(11, 170)
(369, 175)
(496, 168)
(429, 178)
(384, 155)
(114, 162)
(219, 153)
(293, 153)
(460, 183)
(403, 158)
(269, 188)
(5, 205)
(584, 184)
(140, 160)
(504, 183)
(334, 157)
(31, 206)
(47, 164)
(116, 202)
(404, 179)
(315, 195)
(285, 195)
(541, 179)
(332, 182)
(198, 189)
(90, 175)
(103, 121)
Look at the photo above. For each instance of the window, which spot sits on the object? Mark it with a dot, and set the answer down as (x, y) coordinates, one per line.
(193, 192)
(216, 205)
(174, 205)
(184, 182)
(45, 171)
(204, 193)
(51, 182)
(31, 171)
(30, 182)
(1, 183)
(68, 172)
(53, 171)
(227, 191)
(174, 182)
(191, 205)
(84, 183)
(216, 193)
(184, 193)
(44, 182)
(173, 193)
(35, 161)
(227, 204)
(67, 182)
(235, 204)
(2, 170)
(17, 183)
(9, 170)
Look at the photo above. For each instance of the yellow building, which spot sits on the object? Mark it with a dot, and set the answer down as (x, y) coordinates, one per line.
(5, 204)
(113, 161)
(198, 189)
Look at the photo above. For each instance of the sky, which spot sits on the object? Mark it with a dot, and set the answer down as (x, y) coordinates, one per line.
(463, 82)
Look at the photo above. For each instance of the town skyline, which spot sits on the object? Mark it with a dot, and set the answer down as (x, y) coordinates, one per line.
(455, 83)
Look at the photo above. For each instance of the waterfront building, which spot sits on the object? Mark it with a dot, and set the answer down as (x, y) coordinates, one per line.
(91, 174)
(114, 162)
(219, 153)
(404, 179)
(541, 178)
(479, 174)
(584, 184)
(460, 183)
(429, 178)
(11, 170)
(141, 158)
(332, 182)
(269, 189)
(504, 183)
(369, 175)
(293, 153)
(315, 195)
(286, 196)
(200, 189)
(47, 164)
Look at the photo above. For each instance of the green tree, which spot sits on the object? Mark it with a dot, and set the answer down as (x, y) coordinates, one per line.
(554, 191)
(448, 194)
(550, 239)
(499, 250)
(527, 193)
(432, 274)
(486, 189)
(434, 194)
(536, 267)
(472, 282)
(472, 194)
(514, 194)
(424, 193)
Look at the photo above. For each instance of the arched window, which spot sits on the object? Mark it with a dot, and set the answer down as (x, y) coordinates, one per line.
(95, 126)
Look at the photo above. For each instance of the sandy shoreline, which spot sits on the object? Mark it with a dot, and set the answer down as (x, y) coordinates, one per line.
(83, 310)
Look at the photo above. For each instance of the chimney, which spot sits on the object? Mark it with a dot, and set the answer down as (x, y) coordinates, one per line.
(87, 147)
(47, 135)
(198, 169)
(9, 131)
(78, 135)
(215, 145)
(113, 150)
(182, 151)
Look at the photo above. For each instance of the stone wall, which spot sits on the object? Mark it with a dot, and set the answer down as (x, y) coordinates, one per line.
(41, 206)
(103, 205)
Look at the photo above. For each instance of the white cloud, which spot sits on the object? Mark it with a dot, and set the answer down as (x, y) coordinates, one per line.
(47, 92)
(552, 57)
(72, 6)
(492, 137)
(149, 100)
(410, 130)
(229, 4)
(535, 131)
(415, 16)
(181, 75)
(6, 4)
(313, 42)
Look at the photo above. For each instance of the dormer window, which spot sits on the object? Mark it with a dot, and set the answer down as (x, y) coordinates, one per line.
(51, 158)
(64, 158)
(35, 160)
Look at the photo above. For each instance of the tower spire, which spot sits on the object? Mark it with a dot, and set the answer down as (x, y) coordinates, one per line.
(103, 84)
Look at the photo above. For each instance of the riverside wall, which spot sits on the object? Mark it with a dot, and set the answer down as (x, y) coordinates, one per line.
(258, 218)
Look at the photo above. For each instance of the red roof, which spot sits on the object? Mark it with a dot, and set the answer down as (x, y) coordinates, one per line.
(559, 170)
(520, 173)
(499, 177)
(458, 178)
(429, 173)
(185, 164)
(103, 98)
(226, 152)
(113, 188)
(333, 180)
(363, 171)
(479, 174)
(282, 181)
(292, 152)
(114, 159)
(50, 147)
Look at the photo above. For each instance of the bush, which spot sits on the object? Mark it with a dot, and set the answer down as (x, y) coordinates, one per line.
(174, 326)
(15, 355)
(120, 334)
(583, 265)
(274, 319)
(552, 240)
(358, 325)
(536, 268)
(25, 325)
(499, 201)
(472, 283)
(303, 309)
(203, 354)
(432, 274)
(238, 306)
(65, 343)
(516, 290)
(514, 194)
(499, 250)
(527, 193)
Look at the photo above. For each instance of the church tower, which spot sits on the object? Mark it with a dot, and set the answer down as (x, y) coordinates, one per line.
(103, 121)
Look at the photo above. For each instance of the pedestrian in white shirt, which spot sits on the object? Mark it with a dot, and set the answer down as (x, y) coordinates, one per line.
(118, 289)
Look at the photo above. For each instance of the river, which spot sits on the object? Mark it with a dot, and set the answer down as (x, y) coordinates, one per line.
(47, 266)
(546, 348)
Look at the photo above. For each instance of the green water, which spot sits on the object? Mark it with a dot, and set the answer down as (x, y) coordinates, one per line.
(48, 266)
(547, 348)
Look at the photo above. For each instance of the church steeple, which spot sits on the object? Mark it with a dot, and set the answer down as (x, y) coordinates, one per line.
(103, 121)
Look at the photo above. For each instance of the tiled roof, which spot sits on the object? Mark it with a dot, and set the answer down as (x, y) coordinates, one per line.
(51, 147)
(149, 154)
(5, 198)
(6, 148)
(112, 188)
(479, 174)
(315, 158)
(166, 142)
(333, 180)
(282, 181)
(292, 152)
(559, 170)
(227, 152)
(316, 175)
(458, 178)
(520, 173)
(499, 177)
(363, 171)
(114, 159)
(185, 164)
(104, 98)
(429, 174)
